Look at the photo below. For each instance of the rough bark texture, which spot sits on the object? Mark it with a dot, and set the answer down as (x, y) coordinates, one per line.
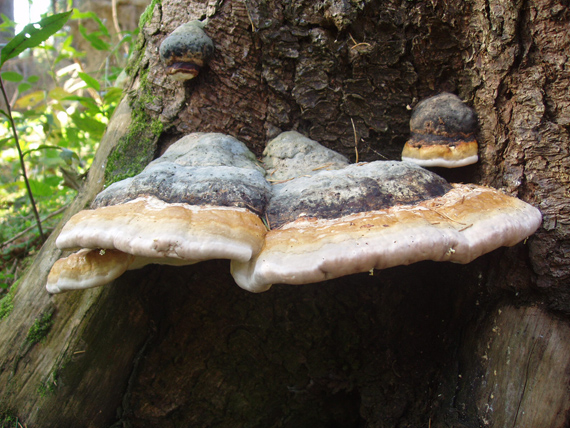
(428, 345)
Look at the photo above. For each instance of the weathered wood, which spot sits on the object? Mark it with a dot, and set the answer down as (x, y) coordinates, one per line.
(518, 375)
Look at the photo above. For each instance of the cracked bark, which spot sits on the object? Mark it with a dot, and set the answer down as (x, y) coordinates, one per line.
(437, 345)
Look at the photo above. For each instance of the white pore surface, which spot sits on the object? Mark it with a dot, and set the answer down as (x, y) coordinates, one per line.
(70, 280)
(334, 255)
(443, 162)
(152, 235)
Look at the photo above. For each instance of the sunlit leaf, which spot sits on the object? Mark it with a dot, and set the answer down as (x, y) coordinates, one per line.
(58, 93)
(30, 100)
(90, 81)
(87, 102)
(113, 95)
(12, 76)
(32, 35)
(88, 124)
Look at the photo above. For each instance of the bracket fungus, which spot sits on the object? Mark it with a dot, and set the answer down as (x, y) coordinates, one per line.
(443, 131)
(186, 50)
(206, 196)
(201, 200)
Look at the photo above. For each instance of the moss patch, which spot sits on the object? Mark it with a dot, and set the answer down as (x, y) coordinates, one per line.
(138, 50)
(40, 328)
(48, 386)
(7, 302)
(147, 14)
(135, 149)
(8, 418)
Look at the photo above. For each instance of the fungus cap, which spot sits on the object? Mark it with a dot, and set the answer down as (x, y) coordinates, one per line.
(186, 50)
(291, 154)
(87, 269)
(459, 226)
(197, 202)
(443, 131)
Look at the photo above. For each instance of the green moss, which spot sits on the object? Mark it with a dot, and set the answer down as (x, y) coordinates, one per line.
(7, 302)
(135, 149)
(8, 418)
(40, 328)
(48, 386)
(138, 50)
(147, 14)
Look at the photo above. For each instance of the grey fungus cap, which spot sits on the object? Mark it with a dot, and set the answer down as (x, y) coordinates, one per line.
(443, 131)
(186, 50)
(458, 226)
(207, 197)
(196, 202)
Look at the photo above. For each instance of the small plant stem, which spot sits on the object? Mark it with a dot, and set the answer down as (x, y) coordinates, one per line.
(22, 165)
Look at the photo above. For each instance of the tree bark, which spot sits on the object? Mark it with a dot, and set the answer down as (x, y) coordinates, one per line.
(427, 345)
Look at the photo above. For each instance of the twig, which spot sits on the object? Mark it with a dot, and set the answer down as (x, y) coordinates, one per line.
(356, 44)
(355, 138)
(322, 166)
(22, 165)
(288, 179)
(23, 232)
(449, 218)
(116, 23)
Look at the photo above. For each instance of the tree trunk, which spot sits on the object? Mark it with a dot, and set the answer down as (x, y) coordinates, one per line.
(427, 345)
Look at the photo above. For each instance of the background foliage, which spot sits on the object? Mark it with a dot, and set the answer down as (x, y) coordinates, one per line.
(60, 112)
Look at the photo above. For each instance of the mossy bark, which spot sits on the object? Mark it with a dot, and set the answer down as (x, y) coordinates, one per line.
(428, 345)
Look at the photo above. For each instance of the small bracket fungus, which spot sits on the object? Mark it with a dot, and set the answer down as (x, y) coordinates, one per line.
(442, 133)
(87, 269)
(206, 196)
(186, 51)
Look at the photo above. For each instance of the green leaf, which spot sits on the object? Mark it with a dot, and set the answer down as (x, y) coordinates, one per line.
(23, 87)
(7, 23)
(113, 95)
(33, 78)
(87, 124)
(12, 76)
(90, 81)
(68, 156)
(40, 188)
(86, 102)
(3, 141)
(32, 35)
(94, 39)
(86, 15)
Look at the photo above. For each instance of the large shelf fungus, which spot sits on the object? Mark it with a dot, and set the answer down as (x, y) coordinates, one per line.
(458, 226)
(443, 131)
(201, 200)
(205, 198)
(186, 50)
